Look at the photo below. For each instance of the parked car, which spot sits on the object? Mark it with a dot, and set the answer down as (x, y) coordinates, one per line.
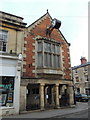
(89, 97)
(81, 97)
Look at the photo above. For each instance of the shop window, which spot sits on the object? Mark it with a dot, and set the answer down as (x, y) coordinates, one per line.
(3, 40)
(6, 91)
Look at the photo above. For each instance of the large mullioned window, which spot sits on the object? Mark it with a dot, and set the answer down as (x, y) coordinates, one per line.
(3, 40)
(48, 54)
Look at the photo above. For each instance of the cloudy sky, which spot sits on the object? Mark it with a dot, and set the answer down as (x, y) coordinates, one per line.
(72, 13)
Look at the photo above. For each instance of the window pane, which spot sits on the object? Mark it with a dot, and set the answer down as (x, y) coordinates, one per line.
(3, 35)
(0, 46)
(49, 47)
(53, 48)
(39, 59)
(7, 91)
(58, 61)
(49, 60)
(45, 47)
(54, 61)
(57, 49)
(3, 40)
(4, 46)
(39, 46)
(0, 36)
(45, 59)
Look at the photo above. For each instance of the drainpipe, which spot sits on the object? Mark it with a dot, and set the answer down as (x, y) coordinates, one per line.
(16, 43)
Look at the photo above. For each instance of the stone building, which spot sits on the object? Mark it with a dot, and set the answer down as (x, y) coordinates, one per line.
(46, 76)
(81, 77)
(11, 42)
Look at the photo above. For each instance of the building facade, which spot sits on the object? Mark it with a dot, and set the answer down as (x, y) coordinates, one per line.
(11, 44)
(46, 76)
(81, 77)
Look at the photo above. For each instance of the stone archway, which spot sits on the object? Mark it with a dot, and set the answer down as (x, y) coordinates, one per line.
(33, 98)
(64, 101)
(49, 92)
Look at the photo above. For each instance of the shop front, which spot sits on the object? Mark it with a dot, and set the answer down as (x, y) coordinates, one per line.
(10, 66)
(6, 91)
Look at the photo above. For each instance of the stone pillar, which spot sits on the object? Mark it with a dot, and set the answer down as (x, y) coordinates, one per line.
(52, 95)
(17, 87)
(57, 95)
(71, 95)
(46, 95)
(23, 90)
(41, 96)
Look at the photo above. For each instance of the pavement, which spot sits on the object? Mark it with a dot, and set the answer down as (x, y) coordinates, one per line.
(80, 106)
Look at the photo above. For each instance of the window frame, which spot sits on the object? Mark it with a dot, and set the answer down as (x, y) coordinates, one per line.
(49, 54)
(3, 40)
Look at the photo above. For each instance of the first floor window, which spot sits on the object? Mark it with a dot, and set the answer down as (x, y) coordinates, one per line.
(3, 40)
(39, 59)
(6, 91)
(48, 54)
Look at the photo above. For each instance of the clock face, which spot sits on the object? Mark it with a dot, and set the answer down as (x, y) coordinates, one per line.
(53, 22)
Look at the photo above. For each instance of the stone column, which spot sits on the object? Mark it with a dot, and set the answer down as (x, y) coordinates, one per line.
(71, 95)
(17, 87)
(46, 95)
(23, 90)
(52, 95)
(57, 95)
(41, 96)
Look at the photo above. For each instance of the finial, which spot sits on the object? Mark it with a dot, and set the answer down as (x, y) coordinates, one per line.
(47, 10)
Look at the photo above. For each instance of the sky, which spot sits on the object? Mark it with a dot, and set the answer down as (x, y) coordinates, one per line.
(73, 15)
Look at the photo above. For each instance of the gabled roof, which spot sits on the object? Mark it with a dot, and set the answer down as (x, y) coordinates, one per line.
(42, 17)
(38, 21)
(82, 65)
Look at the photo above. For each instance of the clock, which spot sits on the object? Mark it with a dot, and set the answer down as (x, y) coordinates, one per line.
(53, 22)
(56, 23)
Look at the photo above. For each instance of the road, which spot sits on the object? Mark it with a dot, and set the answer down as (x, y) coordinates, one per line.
(83, 114)
(79, 111)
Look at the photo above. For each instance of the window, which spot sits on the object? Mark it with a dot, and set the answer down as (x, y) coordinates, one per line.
(76, 71)
(40, 59)
(86, 78)
(86, 68)
(77, 79)
(78, 90)
(6, 91)
(87, 90)
(3, 40)
(48, 54)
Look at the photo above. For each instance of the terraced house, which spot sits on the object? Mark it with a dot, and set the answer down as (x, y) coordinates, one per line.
(46, 75)
(11, 44)
(81, 77)
(35, 68)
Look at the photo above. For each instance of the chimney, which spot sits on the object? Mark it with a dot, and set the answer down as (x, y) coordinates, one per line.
(83, 60)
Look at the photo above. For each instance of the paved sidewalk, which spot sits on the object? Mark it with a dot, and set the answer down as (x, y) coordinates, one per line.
(52, 113)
